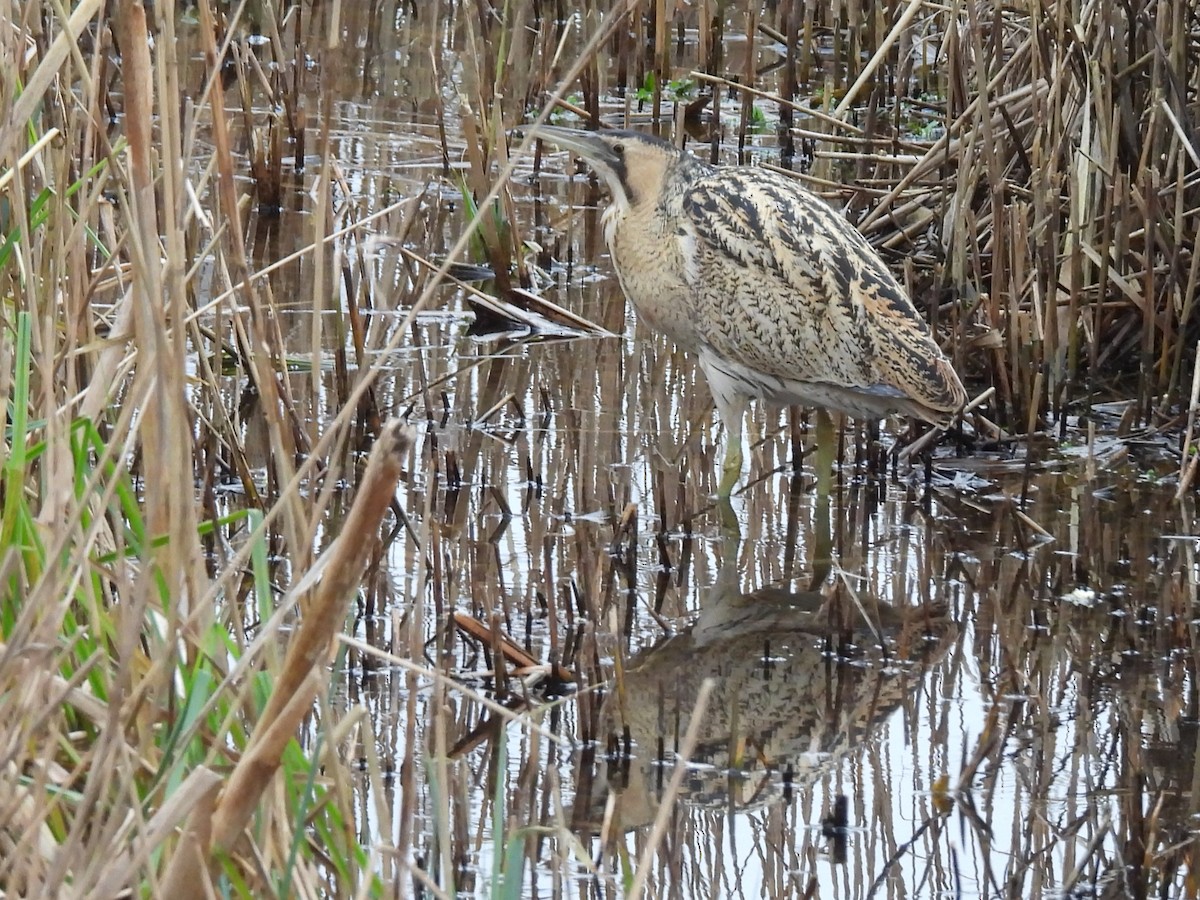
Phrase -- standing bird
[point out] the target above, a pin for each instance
(779, 297)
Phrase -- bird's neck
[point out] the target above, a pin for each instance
(658, 204)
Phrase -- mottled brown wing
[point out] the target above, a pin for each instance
(787, 287)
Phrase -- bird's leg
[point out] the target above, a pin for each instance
(826, 437)
(822, 546)
(732, 412)
(826, 453)
(731, 407)
(731, 468)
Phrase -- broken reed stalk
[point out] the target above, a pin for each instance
(303, 674)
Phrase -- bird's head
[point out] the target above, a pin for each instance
(634, 166)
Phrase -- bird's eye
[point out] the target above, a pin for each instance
(619, 149)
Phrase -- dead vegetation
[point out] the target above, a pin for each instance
(218, 283)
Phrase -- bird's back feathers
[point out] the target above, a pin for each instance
(787, 288)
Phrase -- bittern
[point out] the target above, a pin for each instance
(778, 296)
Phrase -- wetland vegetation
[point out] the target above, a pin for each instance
(358, 541)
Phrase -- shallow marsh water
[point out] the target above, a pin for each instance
(1018, 720)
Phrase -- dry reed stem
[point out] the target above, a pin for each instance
(1187, 470)
(538, 310)
(301, 679)
(291, 485)
(263, 339)
(322, 217)
(38, 84)
(1107, 267)
(190, 806)
(147, 283)
(878, 57)
(510, 651)
(169, 512)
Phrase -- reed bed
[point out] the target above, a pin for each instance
(229, 658)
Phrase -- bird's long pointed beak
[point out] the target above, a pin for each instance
(582, 143)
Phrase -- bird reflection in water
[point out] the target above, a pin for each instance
(796, 685)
